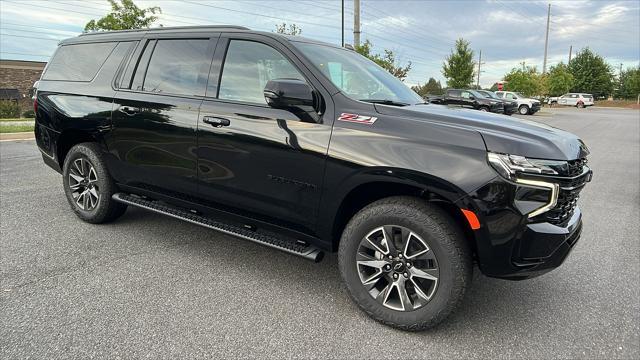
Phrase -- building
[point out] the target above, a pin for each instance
(16, 80)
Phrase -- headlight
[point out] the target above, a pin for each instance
(509, 166)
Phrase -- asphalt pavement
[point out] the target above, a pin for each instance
(148, 286)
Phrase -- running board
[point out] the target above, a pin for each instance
(292, 246)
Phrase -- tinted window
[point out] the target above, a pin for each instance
(248, 67)
(466, 94)
(510, 96)
(79, 62)
(453, 93)
(178, 67)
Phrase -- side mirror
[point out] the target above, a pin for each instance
(289, 93)
(471, 97)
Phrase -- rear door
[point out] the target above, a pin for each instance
(453, 98)
(155, 114)
(265, 163)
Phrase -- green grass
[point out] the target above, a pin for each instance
(15, 128)
(16, 119)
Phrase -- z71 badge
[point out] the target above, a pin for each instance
(360, 119)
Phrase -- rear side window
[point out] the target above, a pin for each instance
(78, 62)
(453, 93)
(178, 66)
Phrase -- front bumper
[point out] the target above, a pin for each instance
(535, 107)
(508, 244)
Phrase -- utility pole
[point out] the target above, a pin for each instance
(479, 64)
(570, 51)
(523, 67)
(546, 41)
(342, 23)
(356, 23)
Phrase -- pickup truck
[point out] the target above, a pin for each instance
(572, 99)
(470, 99)
(526, 106)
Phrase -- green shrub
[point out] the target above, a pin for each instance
(9, 109)
(29, 114)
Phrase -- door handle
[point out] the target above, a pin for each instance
(129, 110)
(216, 121)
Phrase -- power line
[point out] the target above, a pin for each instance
(30, 37)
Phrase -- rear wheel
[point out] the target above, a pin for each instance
(523, 110)
(484, 108)
(88, 185)
(580, 105)
(405, 263)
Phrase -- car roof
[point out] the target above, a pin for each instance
(136, 34)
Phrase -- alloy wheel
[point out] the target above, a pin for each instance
(83, 182)
(397, 268)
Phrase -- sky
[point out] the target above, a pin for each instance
(420, 31)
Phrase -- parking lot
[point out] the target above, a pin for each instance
(152, 286)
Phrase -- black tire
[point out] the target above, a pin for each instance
(523, 110)
(580, 105)
(443, 237)
(105, 208)
(484, 108)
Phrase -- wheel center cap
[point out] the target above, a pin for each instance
(398, 266)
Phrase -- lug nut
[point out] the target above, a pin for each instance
(400, 256)
(387, 267)
(408, 264)
(395, 276)
(405, 275)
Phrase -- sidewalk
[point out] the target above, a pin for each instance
(17, 136)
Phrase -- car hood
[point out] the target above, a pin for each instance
(503, 134)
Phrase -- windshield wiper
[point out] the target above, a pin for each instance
(385, 102)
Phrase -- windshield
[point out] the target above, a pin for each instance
(358, 77)
(477, 94)
(490, 94)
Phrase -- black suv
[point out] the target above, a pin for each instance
(469, 99)
(307, 147)
(509, 106)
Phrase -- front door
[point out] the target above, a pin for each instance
(252, 159)
(155, 116)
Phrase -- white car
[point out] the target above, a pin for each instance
(526, 106)
(572, 99)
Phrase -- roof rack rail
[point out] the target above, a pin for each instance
(212, 27)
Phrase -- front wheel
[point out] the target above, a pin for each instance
(405, 263)
(580, 105)
(88, 185)
(523, 110)
(484, 108)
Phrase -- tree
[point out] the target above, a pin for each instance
(527, 81)
(559, 80)
(432, 87)
(459, 67)
(629, 84)
(124, 15)
(292, 30)
(591, 74)
(387, 60)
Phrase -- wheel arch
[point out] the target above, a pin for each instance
(369, 189)
(67, 139)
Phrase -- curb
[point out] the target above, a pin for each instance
(17, 136)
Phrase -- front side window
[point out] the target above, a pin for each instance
(248, 66)
(356, 76)
(466, 94)
(178, 66)
(510, 96)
